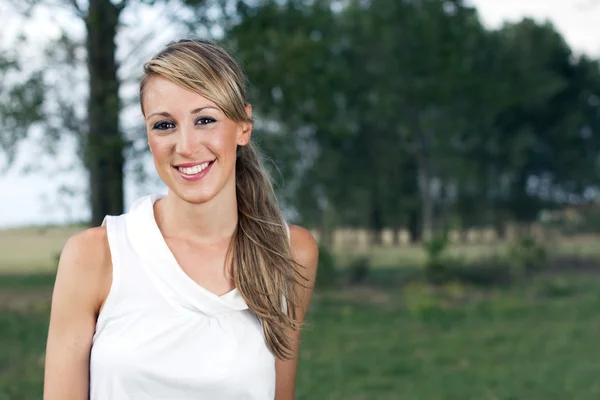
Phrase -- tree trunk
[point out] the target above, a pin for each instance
(397, 234)
(376, 217)
(326, 228)
(414, 227)
(104, 145)
(500, 226)
(424, 184)
(464, 235)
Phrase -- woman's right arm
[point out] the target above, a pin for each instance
(82, 282)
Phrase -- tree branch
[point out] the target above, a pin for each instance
(121, 5)
(78, 10)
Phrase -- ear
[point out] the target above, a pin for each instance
(245, 131)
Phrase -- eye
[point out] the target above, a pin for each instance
(205, 120)
(163, 125)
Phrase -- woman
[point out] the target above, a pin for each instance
(199, 294)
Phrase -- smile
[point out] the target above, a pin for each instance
(194, 172)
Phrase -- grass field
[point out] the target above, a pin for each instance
(32, 249)
(537, 340)
(37, 250)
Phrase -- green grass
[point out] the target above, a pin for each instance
(536, 341)
(519, 344)
(24, 309)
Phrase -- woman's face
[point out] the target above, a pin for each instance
(192, 141)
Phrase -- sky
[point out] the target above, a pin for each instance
(34, 198)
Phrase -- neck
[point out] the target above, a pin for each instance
(209, 222)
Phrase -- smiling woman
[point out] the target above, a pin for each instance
(191, 138)
(198, 294)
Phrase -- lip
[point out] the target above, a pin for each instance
(198, 176)
(192, 164)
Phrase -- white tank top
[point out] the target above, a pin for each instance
(162, 336)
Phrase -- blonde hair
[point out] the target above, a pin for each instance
(264, 272)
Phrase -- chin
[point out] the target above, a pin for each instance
(195, 198)
(193, 195)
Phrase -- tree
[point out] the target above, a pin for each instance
(370, 103)
(401, 112)
(103, 142)
(550, 131)
(21, 101)
(288, 50)
(104, 145)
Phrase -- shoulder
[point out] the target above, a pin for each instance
(90, 246)
(85, 265)
(305, 249)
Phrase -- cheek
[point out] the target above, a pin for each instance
(159, 147)
(225, 142)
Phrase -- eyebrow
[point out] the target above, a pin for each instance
(167, 115)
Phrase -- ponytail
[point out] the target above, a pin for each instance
(263, 269)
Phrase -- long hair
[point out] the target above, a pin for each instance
(263, 269)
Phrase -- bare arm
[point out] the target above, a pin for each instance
(82, 282)
(305, 252)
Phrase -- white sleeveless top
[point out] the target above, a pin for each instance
(162, 336)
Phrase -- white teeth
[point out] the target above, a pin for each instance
(194, 170)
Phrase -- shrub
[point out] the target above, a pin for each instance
(493, 271)
(358, 270)
(436, 266)
(527, 255)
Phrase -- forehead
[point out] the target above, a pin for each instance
(160, 94)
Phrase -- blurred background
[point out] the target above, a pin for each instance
(445, 154)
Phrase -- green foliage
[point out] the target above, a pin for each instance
(364, 105)
(573, 221)
(480, 111)
(359, 270)
(327, 275)
(524, 257)
(21, 103)
(527, 255)
(491, 271)
(555, 287)
(437, 268)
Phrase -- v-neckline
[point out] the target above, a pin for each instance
(150, 244)
(162, 242)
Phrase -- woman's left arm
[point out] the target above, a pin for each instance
(306, 254)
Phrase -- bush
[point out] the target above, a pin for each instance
(524, 257)
(436, 266)
(326, 272)
(527, 255)
(494, 271)
(358, 270)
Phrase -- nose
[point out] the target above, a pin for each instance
(189, 142)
